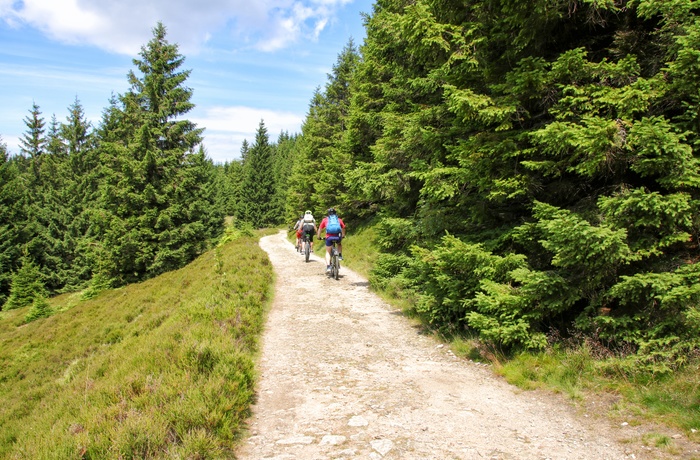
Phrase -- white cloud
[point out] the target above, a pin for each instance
(227, 127)
(124, 26)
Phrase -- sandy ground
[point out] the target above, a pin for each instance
(343, 375)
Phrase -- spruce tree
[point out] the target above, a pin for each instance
(12, 219)
(54, 140)
(27, 286)
(257, 205)
(155, 181)
(76, 131)
(320, 162)
(32, 143)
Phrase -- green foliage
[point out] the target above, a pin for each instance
(666, 304)
(121, 203)
(453, 272)
(40, 309)
(551, 142)
(258, 206)
(12, 216)
(33, 141)
(99, 283)
(653, 221)
(27, 286)
(157, 205)
(395, 234)
(233, 233)
(319, 164)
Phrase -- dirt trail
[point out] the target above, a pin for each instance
(345, 376)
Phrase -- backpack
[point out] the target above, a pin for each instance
(333, 225)
(308, 218)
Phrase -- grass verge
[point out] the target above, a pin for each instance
(671, 400)
(160, 369)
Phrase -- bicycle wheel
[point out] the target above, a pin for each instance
(336, 264)
(307, 249)
(331, 273)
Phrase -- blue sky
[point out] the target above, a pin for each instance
(250, 59)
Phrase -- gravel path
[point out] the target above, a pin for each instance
(346, 376)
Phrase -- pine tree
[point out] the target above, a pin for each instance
(76, 130)
(157, 216)
(283, 162)
(245, 148)
(257, 205)
(12, 219)
(26, 286)
(40, 309)
(321, 161)
(32, 143)
(556, 147)
(54, 141)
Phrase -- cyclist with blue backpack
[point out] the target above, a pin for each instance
(335, 232)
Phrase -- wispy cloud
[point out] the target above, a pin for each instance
(227, 127)
(124, 26)
(101, 78)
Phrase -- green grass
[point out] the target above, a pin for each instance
(360, 249)
(161, 369)
(671, 400)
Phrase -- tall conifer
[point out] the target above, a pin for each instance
(155, 183)
(32, 143)
(12, 219)
(258, 191)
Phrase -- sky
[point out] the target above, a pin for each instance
(250, 60)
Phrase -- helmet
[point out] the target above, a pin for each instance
(307, 212)
(331, 210)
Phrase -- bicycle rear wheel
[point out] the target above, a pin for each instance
(335, 265)
(307, 249)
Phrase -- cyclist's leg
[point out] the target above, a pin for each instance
(329, 246)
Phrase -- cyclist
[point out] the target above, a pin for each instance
(297, 230)
(308, 228)
(332, 234)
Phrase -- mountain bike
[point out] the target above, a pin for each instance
(307, 246)
(335, 261)
(300, 247)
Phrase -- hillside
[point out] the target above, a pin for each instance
(160, 369)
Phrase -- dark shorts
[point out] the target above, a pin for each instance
(331, 239)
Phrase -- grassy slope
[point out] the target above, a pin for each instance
(161, 369)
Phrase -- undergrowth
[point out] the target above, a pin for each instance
(160, 369)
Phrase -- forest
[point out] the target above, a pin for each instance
(531, 169)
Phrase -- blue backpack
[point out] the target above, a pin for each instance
(333, 225)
